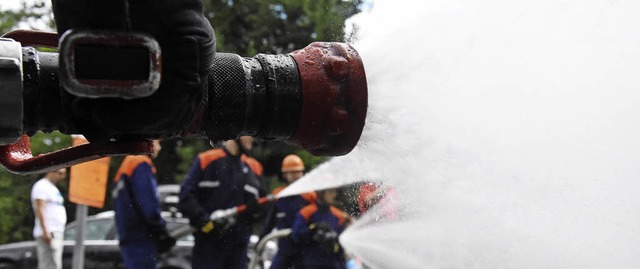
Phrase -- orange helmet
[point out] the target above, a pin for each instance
(292, 163)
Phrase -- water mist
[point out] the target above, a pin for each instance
(508, 131)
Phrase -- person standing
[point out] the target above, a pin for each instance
(283, 213)
(316, 230)
(141, 229)
(50, 219)
(218, 180)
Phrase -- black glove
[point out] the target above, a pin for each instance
(164, 242)
(187, 42)
(254, 212)
(322, 232)
(326, 237)
(252, 204)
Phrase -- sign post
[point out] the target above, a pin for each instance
(87, 187)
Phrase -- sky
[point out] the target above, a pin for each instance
(10, 4)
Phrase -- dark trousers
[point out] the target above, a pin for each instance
(139, 254)
(216, 255)
(288, 256)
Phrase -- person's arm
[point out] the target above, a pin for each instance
(253, 191)
(144, 196)
(46, 236)
(300, 231)
(270, 220)
(188, 203)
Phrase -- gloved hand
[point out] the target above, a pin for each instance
(164, 242)
(252, 204)
(322, 232)
(219, 221)
(188, 44)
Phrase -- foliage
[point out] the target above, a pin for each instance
(16, 213)
(32, 14)
(247, 27)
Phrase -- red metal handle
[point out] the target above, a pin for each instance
(17, 157)
(34, 38)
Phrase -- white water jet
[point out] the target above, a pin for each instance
(508, 129)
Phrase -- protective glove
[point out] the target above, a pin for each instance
(164, 242)
(252, 205)
(322, 232)
(324, 235)
(188, 44)
(219, 221)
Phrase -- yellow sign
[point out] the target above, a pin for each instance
(88, 181)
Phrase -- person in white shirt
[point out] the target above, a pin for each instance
(51, 217)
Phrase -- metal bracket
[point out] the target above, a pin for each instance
(120, 43)
(11, 113)
(18, 158)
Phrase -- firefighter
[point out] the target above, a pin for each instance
(316, 229)
(141, 230)
(369, 194)
(221, 179)
(282, 215)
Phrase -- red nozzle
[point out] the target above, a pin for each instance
(334, 98)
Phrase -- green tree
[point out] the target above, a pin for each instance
(16, 214)
(246, 27)
(33, 15)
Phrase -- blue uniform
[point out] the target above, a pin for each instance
(137, 209)
(218, 180)
(317, 255)
(282, 217)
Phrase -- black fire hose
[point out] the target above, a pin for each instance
(315, 98)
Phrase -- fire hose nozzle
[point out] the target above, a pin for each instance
(334, 98)
(315, 98)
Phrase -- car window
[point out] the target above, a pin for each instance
(96, 229)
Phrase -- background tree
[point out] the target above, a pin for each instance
(246, 27)
(32, 14)
(16, 213)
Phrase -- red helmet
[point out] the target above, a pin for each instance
(292, 163)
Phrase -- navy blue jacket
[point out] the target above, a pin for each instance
(137, 210)
(285, 209)
(314, 254)
(218, 180)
